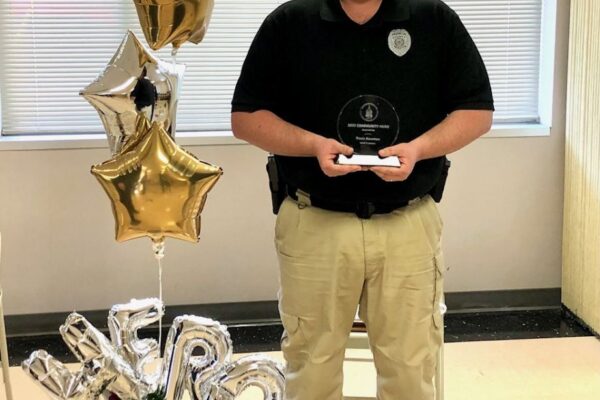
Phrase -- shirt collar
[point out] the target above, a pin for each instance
(391, 10)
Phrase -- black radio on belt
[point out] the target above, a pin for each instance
(276, 184)
(438, 190)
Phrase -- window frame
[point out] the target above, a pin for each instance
(212, 138)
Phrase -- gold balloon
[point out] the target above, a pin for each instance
(134, 82)
(157, 189)
(174, 21)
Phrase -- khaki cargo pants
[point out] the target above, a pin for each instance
(391, 265)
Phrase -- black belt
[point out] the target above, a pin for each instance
(362, 209)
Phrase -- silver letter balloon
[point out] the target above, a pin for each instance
(125, 367)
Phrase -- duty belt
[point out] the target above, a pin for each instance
(362, 209)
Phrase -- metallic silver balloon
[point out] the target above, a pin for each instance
(108, 371)
(124, 321)
(256, 370)
(102, 374)
(116, 369)
(85, 341)
(187, 334)
(135, 82)
(53, 376)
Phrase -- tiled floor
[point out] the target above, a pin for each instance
(533, 369)
(539, 369)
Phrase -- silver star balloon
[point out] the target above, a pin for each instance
(135, 83)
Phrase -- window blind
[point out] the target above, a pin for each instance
(508, 35)
(51, 49)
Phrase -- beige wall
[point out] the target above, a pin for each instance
(503, 213)
(504, 204)
(581, 254)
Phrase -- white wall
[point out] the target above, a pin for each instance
(503, 213)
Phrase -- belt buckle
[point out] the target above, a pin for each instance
(365, 210)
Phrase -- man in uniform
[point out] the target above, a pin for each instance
(351, 235)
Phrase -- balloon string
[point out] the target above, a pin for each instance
(160, 296)
(159, 254)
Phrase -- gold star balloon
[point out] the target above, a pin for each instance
(157, 189)
(174, 21)
(134, 82)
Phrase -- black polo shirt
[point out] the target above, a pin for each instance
(309, 59)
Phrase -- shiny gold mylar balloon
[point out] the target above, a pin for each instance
(134, 82)
(157, 189)
(174, 21)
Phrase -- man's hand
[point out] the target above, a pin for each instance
(408, 155)
(460, 128)
(326, 150)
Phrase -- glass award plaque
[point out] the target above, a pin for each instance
(368, 123)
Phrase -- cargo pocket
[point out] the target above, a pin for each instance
(438, 319)
(292, 339)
